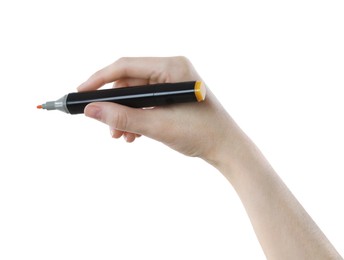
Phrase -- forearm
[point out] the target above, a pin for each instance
(283, 227)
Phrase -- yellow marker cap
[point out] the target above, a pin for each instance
(200, 91)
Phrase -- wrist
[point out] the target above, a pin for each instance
(227, 145)
(234, 153)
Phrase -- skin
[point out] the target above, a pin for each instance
(206, 130)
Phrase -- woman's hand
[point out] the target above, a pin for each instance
(283, 227)
(195, 129)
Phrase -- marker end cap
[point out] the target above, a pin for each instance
(200, 91)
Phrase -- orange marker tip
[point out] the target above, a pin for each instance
(39, 106)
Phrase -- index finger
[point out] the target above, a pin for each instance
(140, 68)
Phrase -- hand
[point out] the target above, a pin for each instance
(193, 129)
(205, 130)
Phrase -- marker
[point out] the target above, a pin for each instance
(137, 96)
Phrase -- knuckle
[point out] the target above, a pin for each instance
(121, 60)
(183, 67)
(183, 60)
(99, 76)
(159, 76)
(122, 65)
(119, 120)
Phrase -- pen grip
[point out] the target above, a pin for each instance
(139, 96)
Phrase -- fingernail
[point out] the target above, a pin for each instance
(93, 111)
(112, 133)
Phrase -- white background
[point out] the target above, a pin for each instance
(69, 191)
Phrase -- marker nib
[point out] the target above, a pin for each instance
(39, 106)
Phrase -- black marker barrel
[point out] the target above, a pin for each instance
(138, 96)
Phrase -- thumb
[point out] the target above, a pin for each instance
(134, 120)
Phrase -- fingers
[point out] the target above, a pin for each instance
(126, 121)
(129, 137)
(125, 72)
(150, 69)
(122, 83)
